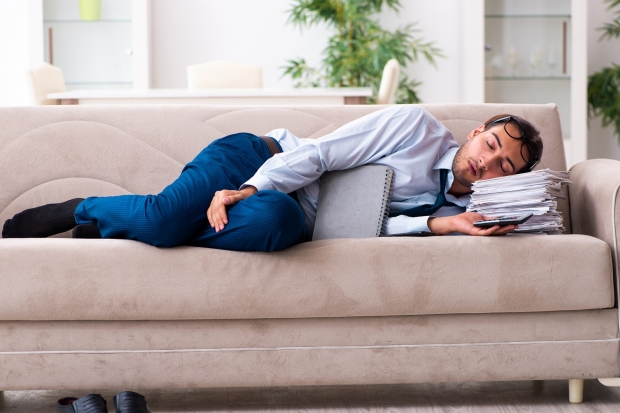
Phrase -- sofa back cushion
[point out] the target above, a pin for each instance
(50, 154)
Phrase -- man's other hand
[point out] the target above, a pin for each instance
(464, 223)
(216, 214)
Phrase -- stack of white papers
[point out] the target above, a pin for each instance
(527, 193)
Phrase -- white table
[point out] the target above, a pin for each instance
(309, 96)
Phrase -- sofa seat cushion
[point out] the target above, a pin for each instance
(72, 279)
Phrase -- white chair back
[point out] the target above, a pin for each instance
(389, 82)
(45, 79)
(224, 74)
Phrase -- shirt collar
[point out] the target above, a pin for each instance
(445, 162)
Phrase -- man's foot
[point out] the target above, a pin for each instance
(86, 231)
(43, 221)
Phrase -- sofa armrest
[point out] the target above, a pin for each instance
(595, 203)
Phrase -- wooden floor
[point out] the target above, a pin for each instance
(526, 396)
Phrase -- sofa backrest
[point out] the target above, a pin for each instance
(51, 154)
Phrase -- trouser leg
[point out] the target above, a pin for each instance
(266, 221)
(173, 216)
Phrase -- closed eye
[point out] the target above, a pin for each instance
(500, 162)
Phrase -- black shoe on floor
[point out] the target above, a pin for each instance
(130, 402)
(91, 403)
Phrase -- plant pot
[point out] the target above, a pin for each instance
(90, 9)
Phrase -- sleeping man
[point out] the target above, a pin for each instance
(249, 193)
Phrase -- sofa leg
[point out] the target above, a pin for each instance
(614, 382)
(575, 390)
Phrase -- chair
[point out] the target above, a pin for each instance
(389, 82)
(224, 74)
(45, 79)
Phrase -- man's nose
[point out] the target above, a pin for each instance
(486, 160)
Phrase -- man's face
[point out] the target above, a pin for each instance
(488, 154)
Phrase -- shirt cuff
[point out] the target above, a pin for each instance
(403, 224)
(259, 182)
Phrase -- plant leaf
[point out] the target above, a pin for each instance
(604, 96)
(357, 52)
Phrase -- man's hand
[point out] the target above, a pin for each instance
(464, 223)
(216, 214)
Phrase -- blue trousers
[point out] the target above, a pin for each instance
(266, 221)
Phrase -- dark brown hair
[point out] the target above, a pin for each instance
(530, 139)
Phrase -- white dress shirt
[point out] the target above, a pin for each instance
(406, 138)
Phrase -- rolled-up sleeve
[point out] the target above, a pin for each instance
(404, 224)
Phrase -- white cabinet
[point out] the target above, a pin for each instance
(533, 51)
(112, 52)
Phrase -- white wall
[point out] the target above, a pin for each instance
(194, 31)
(249, 31)
(21, 47)
(439, 22)
(602, 142)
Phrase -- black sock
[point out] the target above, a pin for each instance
(86, 231)
(43, 221)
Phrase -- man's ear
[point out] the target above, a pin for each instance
(476, 131)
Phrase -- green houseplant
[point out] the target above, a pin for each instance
(604, 85)
(356, 54)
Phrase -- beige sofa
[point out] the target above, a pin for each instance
(117, 314)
